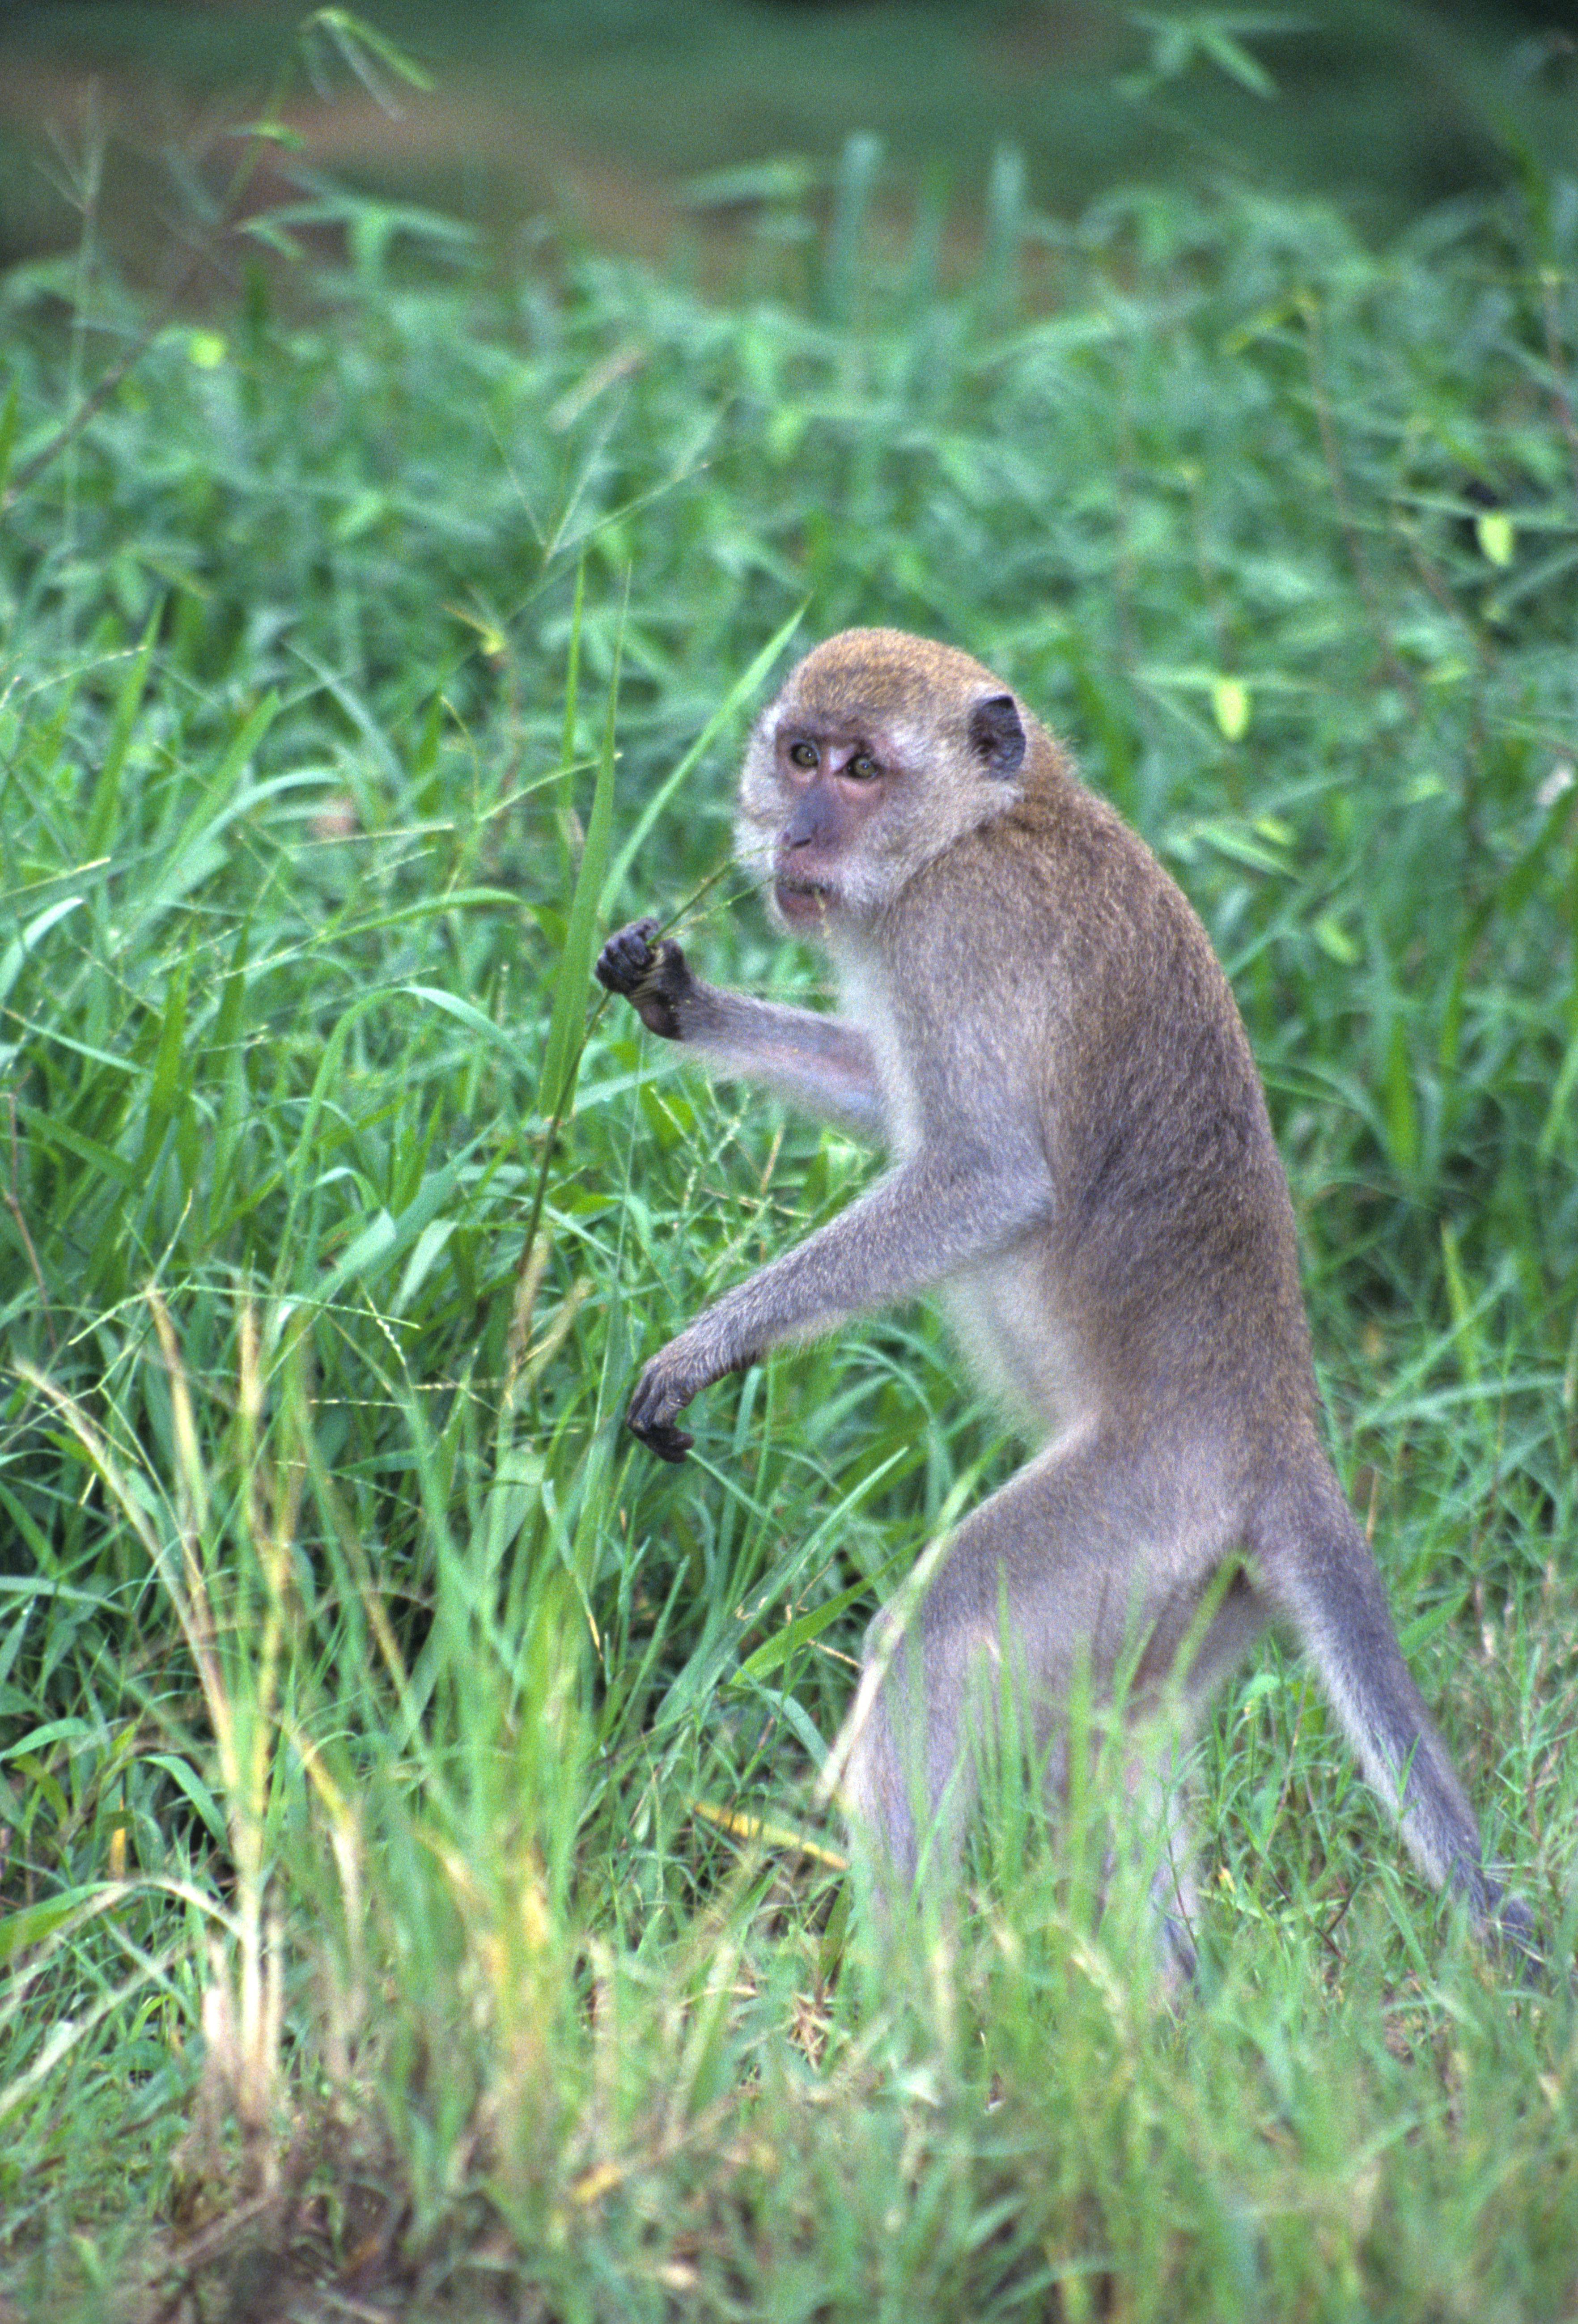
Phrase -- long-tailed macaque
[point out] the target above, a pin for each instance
(1035, 1026)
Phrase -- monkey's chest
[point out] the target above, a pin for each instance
(1005, 1317)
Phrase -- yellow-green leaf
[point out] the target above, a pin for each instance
(1497, 535)
(1229, 699)
(1334, 940)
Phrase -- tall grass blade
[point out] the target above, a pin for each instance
(562, 1057)
(741, 689)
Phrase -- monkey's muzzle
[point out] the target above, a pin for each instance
(802, 903)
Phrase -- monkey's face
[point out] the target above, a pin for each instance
(833, 794)
(880, 751)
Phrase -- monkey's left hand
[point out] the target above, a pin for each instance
(654, 978)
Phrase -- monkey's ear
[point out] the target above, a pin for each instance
(997, 734)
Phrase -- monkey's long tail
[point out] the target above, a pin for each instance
(1321, 1575)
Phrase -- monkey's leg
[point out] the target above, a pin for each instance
(1189, 1669)
(1196, 1639)
(1061, 1569)
(1161, 1848)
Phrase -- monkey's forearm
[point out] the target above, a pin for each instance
(922, 1222)
(815, 1062)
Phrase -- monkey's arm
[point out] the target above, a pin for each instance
(927, 1220)
(817, 1062)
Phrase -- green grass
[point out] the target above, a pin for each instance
(413, 1883)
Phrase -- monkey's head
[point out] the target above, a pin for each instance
(881, 752)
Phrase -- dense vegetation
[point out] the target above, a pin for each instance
(412, 1884)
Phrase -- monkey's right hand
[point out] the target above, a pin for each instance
(648, 1417)
(671, 1377)
(656, 980)
(661, 1437)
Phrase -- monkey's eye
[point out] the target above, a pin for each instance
(862, 766)
(802, 755)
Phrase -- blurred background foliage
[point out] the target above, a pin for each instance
(708, 124)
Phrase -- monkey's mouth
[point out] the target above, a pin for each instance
(803, 903)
